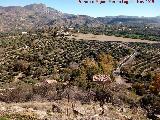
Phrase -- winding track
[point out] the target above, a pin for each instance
(127, 59)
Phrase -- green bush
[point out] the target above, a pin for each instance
(3, 118)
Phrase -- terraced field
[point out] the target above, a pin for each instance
(43, 54)
(147, 60)
(49, 53)
(27, 61)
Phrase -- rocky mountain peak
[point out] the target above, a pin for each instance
(35, 6)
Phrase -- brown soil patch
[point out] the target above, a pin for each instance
(108, 38)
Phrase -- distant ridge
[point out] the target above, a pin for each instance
(39, 15)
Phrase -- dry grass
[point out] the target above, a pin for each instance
(107, 38)
(42, 110)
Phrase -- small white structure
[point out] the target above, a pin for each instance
(48, 81)
(34, 34)
(71, 28)
(24, 33)
(66, 33)
(101, 79)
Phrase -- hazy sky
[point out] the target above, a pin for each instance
(95, 10)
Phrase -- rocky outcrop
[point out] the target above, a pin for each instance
(62, 110)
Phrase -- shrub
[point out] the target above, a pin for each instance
(151, 103)
(156, 82)
(21, 65)
(3, 118)
(19, 94)
(139, 88)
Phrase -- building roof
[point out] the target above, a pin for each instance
(101, 78)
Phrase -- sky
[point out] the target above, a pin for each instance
(94, 10)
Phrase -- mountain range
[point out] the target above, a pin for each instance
(39, 15)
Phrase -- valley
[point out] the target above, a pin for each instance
(59, 66)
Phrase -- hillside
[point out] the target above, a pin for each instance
(105, 68)
(38, 15)
(16, 18)
(45, 68)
